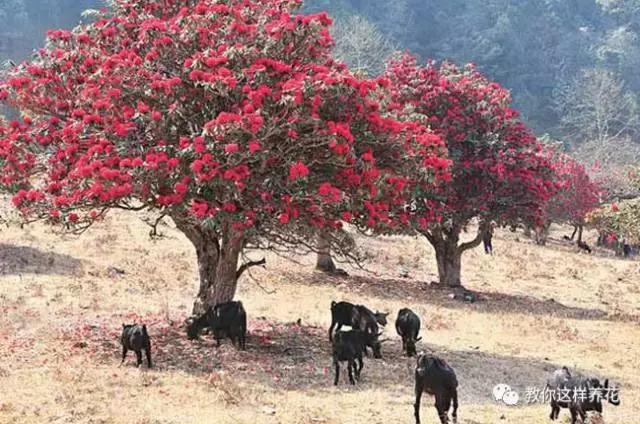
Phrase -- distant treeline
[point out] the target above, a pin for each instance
(533, 47)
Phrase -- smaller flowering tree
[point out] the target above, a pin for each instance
(577, 194)
(619, 219)
(498, 172)
(622, 220)
(231, 118)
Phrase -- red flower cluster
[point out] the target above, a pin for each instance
(498, 171)
(230, 112)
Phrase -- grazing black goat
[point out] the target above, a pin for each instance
(349, 346)
(135, 337)
(408, 327)
(355, 316)
(436, 377)
(578, 393)
(584, 246)
(225, 319)
(359, 317)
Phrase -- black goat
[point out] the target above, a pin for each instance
(584, 246)
(349, 346)
(408, 327)
(436, 377)
(355, 316)
(578, 393)
(135, 337)
(225, 319)
(359, 317)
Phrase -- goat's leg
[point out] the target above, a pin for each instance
(124, 354)
(555, 410)
(574, 415)
(138, 358)
(416, 405)
(365, 351)
(361, 364)
(336, 364)
(147, 351)
(350, 367)
(441, 406)
(583, 415)
(454, 414)
(243, 339)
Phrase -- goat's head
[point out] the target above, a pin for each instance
(376, 344)
(381, 317)
(595, 393)
(192, 327)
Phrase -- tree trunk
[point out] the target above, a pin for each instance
(449, 253)
(541, 233)
(449, 260)
(325, 261)
(217, 263)
(580, 229)
(223, 287)
(575, 230)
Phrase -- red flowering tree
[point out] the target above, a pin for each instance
(577, 194)
(229, 117)
(498, 172)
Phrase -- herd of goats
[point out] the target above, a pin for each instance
(433, 375)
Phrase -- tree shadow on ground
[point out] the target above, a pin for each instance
(435, 294)
(290, 356)
(28, 260)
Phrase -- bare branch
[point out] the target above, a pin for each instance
(245, 266)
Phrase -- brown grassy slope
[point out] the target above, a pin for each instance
(61, 309)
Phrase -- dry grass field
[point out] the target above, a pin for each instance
(62, 304)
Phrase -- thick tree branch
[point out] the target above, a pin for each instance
(482, 229)
(432, 239)
(245, 266)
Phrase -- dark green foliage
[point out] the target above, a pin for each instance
(531, 47)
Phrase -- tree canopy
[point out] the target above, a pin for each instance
(231, 118)
(499, 171)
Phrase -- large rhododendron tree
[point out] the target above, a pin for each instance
(577, 194)
(228, 116)
(499, 171)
